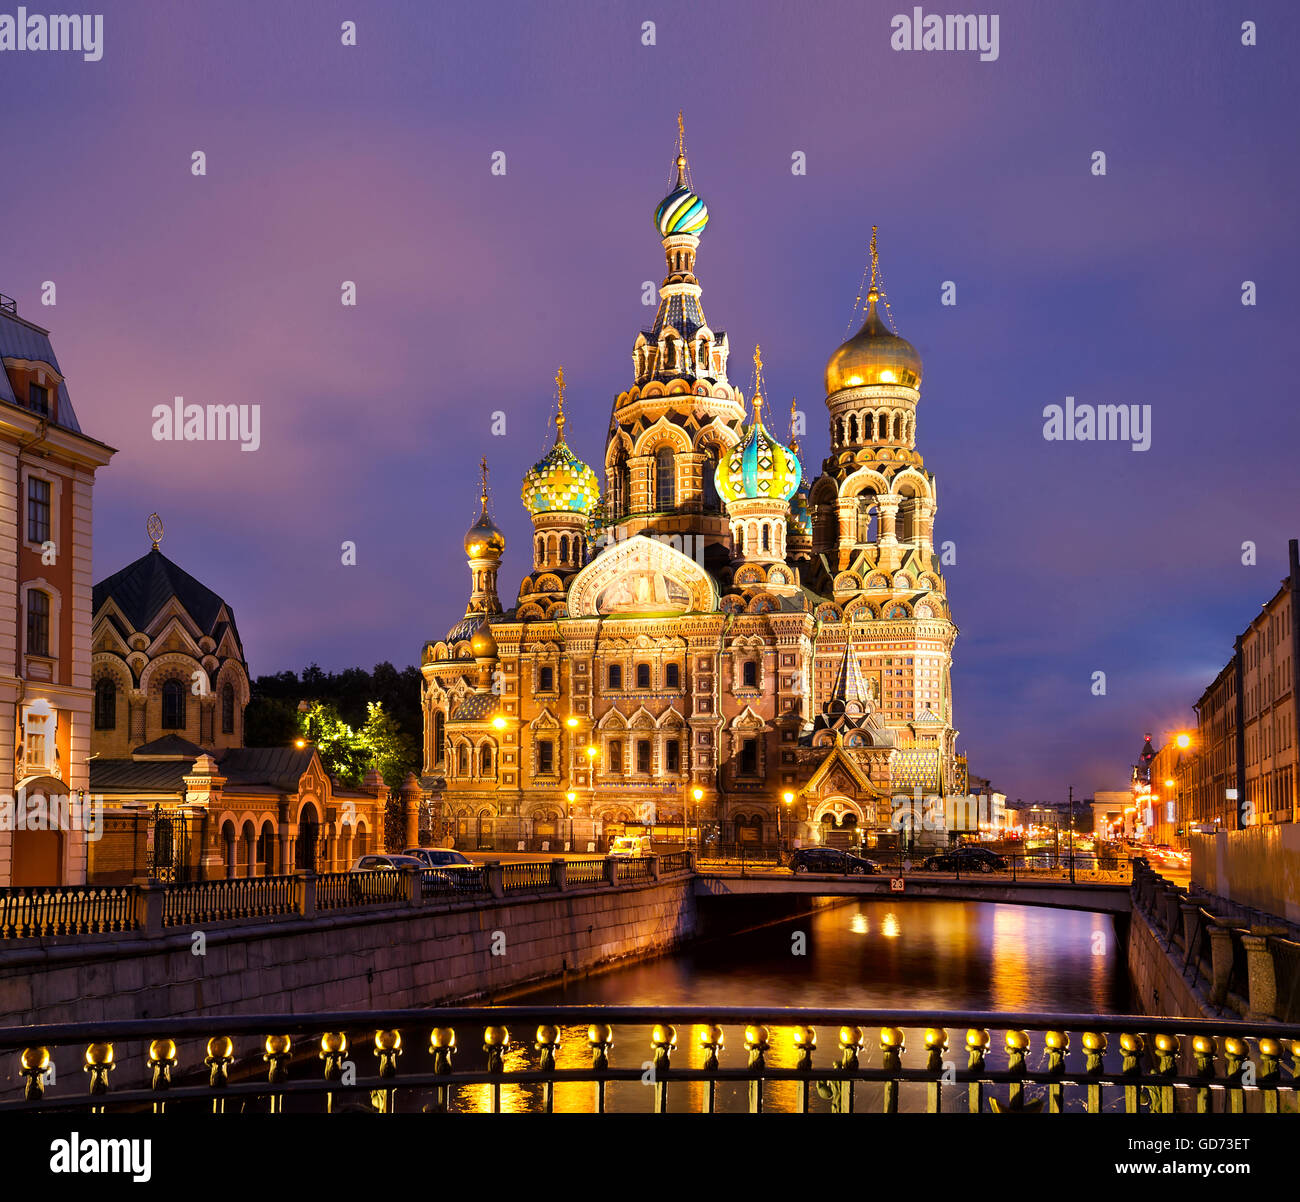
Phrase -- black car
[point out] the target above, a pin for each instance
(965, 859)
(830, 859)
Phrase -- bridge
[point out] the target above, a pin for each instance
(1105, 897)
(683, 1058)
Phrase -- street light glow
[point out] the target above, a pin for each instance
(499, 722)
(1183, 741)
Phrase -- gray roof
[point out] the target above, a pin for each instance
(246, 769)
(20, 339)
(171, 745)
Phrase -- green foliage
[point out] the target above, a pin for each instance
(357, 720)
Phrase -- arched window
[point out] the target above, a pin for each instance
(38, 622)
(898, 427)
(673, 676)
(173, 705)
(462, 760)
(868, 428)
(643, 676)
(564, 548)
(228, 709)
(616, 755)
(767, 537)
(105, 705)
(615, 676)
(665, 492)
(546, 680)
(712, 502)
(853, 427)
(439, 736)
(485, 760)
(749, 674)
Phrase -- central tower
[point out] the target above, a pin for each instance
(668, 432)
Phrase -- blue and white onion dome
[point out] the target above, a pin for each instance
(759, 467)
(681, 211)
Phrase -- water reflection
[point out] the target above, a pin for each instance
(869, 954)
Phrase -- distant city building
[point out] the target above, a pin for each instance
(1241, 769)
(47, 476)
(715, 623)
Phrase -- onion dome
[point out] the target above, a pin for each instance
(465, 628)
(800, 511)
(484, 537)
(759, 467)
(681, 211)
(875, 354)
(560, 482)
(482, 645)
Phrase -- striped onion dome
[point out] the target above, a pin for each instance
(681, 211)
(759, 467)
(800, 513)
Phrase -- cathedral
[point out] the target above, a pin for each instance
(709, 645)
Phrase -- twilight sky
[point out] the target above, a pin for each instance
(372, 164)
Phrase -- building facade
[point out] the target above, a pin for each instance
(182, 797)
(47, 477)
(706, 640)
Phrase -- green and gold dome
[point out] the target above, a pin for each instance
(758, 467)
(559, 482)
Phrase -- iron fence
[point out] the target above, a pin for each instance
(35, 911)
(511, 1058)
(526, 877)
(377, 887)
(202, 902)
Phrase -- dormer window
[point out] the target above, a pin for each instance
(38, 399)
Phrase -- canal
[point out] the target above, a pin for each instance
(872, 954)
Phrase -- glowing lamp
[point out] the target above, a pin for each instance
(1183, 741)
(499, 722)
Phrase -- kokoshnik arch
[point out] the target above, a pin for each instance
(715, 639)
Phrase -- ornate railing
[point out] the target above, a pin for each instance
(343, 890)
(591, 872)
(29, 912)
(526, 877)
(1247, 961)
(202, 902)
(687, 1058)
(34, 911)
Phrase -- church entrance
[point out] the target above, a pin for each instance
(843, 834)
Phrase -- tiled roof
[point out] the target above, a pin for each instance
(21, 339)
(172, 745)
(141, 589)
(476, 705)
(143, 776)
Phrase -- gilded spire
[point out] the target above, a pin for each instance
(758, 383)
(794, 438)
(874, 290)
(681, 149)
(559, 412)
(483, 478)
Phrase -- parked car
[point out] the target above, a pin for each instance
(439, 857)
(830, 859)
(630, 846)
(388, 882)
(371, 863)
(965, 859)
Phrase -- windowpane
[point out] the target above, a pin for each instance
(38, 510)
(643, 676)
(665, 491)
(105, 705)
(643, 756)
(38, 622)
(173, 705)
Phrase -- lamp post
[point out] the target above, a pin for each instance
(698, 794)
(788, 798)
(571, 797)
(591, 778)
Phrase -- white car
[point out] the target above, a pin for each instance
(370, 863)
(631, 846)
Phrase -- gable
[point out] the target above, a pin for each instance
(641, 577)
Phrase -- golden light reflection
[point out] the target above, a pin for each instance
(1009, 967)
(889, 927)
(859, 925)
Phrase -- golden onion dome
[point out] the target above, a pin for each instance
(874, 355)
(482, 645)
(484, 537)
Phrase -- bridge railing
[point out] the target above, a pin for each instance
(1250, 967)
(35, 911)
(701, 1058)
(32, 912)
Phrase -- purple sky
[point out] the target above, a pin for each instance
(372, 164)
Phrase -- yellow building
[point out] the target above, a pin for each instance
(715, 634)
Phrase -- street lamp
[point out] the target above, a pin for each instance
(698, 794)
(571, 797)
(788, 798)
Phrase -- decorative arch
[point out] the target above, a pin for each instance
(865, 479)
